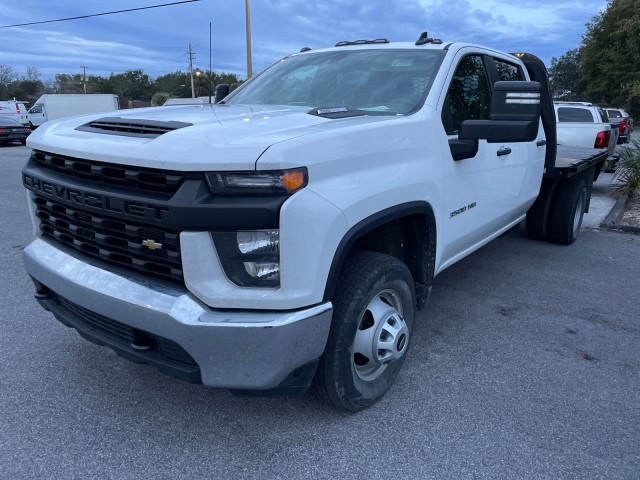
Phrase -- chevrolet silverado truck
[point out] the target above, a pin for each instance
(284, 237)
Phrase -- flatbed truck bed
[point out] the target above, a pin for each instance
(573, 160)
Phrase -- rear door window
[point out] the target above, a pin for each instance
(507, 71)
(574, 114)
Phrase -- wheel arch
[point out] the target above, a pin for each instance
(406, 232)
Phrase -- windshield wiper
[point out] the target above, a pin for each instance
(334, 112)
(344, 112)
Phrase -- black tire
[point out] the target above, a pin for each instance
(374, 308)
(23, 142)
(568, 210)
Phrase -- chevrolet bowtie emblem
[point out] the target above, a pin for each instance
(151, 244)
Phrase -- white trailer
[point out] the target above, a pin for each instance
(51, 107)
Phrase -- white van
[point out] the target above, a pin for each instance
(50, 107)
(14, 109)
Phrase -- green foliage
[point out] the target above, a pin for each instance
(610, 56)
(65, 83)
(131, 85)
(176, 84)
(628, 172)
(565, 79)
(159, 98)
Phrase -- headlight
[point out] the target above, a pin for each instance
(283, 182)
(250, 258)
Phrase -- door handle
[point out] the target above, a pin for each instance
(541, 143)
(504, 151)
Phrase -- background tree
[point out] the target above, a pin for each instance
(7, 76)
(131, 85)
(566, 78)
(67, 83)
(176, 84)
(159, 98)
(610, 56)
(32, 74)
(98, 84)
(26, 88)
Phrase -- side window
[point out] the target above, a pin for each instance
(507, 71)
(574, 114)
(469, 95)
(603, 115)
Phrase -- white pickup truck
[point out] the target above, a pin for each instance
(285, 236)
(583, 124)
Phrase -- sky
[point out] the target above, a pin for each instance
(156, 40)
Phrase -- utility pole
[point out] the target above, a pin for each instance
(247, 8)
(84, 77)
(191, 54)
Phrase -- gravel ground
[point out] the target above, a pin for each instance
(631, 215)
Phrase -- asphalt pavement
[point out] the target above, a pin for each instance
(524, 365)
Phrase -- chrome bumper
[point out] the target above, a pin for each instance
(244, 350)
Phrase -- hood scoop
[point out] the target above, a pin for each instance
(131, 127)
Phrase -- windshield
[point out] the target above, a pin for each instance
(383, 81)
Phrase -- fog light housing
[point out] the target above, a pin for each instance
(250, 258)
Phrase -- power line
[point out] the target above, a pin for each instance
(99, 14)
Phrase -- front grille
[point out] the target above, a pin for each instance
(123, 334)
(138, 178)
(112, 240)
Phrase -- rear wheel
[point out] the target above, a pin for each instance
(374, 309)
(568, 211)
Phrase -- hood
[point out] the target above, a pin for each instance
(221, 137)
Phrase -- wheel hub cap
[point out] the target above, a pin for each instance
(382, 336)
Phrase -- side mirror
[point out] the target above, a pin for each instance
(514, 115)
(222, 91)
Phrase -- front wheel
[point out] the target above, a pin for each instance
(374, 309)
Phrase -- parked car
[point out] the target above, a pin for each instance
(11, 130)
(14, 109)
(623, 121)
(583, 124)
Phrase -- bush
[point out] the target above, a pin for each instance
(628, 172)
(159, 98)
